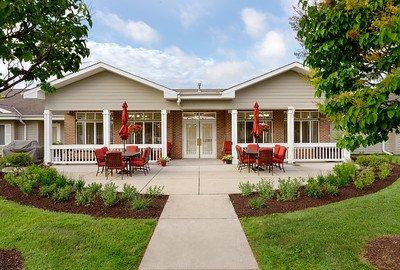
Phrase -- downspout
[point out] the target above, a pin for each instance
(22, 122)
(384, 149)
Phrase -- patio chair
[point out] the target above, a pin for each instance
(105, 150)
(276, 149)
(115, 162)
(244, 160)
(100, 159)
(132, 148)
(142, 164)
(265, 158)
(280, 158)
(252, 146)
(227, 150)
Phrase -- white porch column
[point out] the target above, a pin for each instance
(290, 134)
(106, 128)
(164, 134)
(234, 135)
(48, 136)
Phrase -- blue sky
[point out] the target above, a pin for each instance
(179, 43)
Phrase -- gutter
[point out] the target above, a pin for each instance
(384, 149)
(22, 122)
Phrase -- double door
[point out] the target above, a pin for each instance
(199, 139)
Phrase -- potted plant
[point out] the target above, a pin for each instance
(264, 127)
(135, 128)
(163, 161)
(227, 159)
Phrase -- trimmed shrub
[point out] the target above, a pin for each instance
(109, 194)
(79, 184)
(365, 178)
(16, 160)
(247, 188)
(47, 191)
(61, 181)
(345, 172)
(383, 171)
(155, 191)
(129, 192)
(140, 202)
(47, 176)
(288, 189)
(314, 189)
(372, 160)
(331, 189)
(265, 189)
(84, 197)
(62, 194)
(94, 188)
(11, 179)
(256, 203)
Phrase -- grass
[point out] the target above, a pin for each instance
(327, 237)
(49, 240)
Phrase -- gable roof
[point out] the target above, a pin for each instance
(99, 67)
(295, 66)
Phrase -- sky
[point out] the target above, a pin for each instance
(179, 43)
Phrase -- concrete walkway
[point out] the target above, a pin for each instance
(198, 232)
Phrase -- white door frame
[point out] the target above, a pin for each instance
(199, 123)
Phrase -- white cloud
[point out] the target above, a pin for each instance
(136, 30)
(191, 12)
(254, 21)
(171, 67)
(287, 6)
(271, 48)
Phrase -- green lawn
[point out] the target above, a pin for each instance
(327, 237)
(50, 240)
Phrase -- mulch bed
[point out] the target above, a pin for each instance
(383, 252)
(11, 260)
(95, 209)
(240, 203)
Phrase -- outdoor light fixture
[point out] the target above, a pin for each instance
(199, 89)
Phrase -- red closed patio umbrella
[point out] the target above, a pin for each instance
(124, 132)
(256, 122)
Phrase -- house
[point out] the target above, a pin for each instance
(85, 113)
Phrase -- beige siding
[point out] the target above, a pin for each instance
(282, 91)
(107, 90)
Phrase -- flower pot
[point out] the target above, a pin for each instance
(163, 163)
(228, 161)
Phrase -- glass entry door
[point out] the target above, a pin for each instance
(199, 138)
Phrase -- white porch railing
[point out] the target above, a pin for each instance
(313, 152)
(84, 154)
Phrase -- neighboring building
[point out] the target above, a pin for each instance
(85, 113)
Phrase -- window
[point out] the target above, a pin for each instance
(306, 127)
(56, 133)
(245, 126)
(89, 128)
(2, 135)
(151, 131)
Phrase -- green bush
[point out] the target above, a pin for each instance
(331, 189)
(47, 191)
(247, 188)
(62, 194)
(79, 184)
(11, 179)
(365, 178)
(129, 192)
(345, 172)
(314, 188)
(265, 189)
(140, 202)
(155, 191)
(26, 183)
(61, 181)
(94, 188)
(47, 176)
(84, 197)
(372, 160)
(256, 203)
(109, 194)
(288, 189)
(16, 160)
(383, 171)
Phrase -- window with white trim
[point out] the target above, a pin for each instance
(306, 127)
(151, 127)
(2, 134)
(245, 126)
(89, 128)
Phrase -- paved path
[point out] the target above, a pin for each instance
(198, 232)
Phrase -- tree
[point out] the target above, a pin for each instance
(40, 39)
(353, 50)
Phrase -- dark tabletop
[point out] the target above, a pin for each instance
(131, 154)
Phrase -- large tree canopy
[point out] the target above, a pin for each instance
(40, 39)
(353, 50)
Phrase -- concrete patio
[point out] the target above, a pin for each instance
(194, 176)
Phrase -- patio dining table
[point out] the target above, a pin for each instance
(254, 153)
(128, 156)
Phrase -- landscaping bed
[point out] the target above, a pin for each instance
(11, 260)
(383, 252)
(250, 203)
(97, 208)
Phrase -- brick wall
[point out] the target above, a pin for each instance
(324, 130)
(278, 126)
(117, 123)
(174, 124)
(69, 128)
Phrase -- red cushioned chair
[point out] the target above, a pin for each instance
(132, 148)
(227, 150)
(252, 147)
(115, 162)
(100, 159)
(280, 158)
(244, 160)
(142, 164)
(265, 156)
(276, 149)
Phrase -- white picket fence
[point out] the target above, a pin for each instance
(84, 154)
